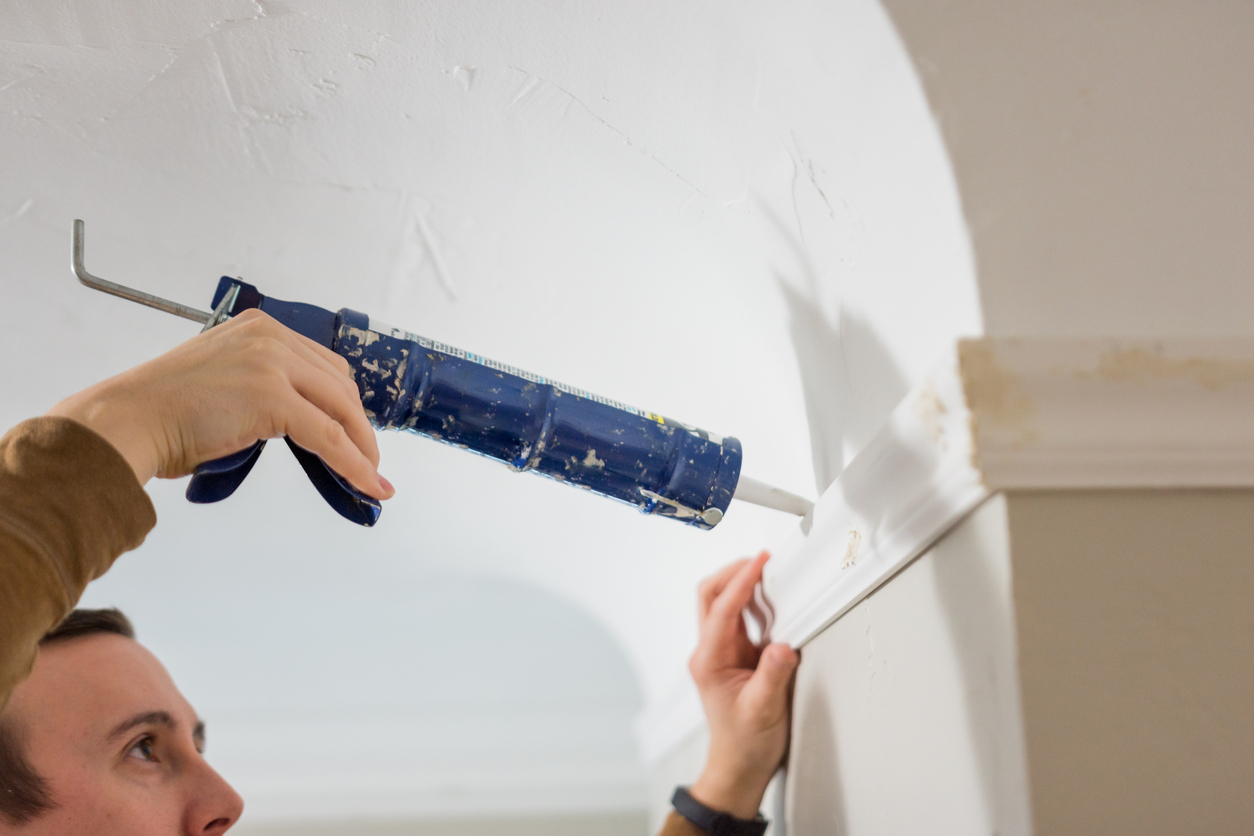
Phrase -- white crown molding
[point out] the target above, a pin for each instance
(999, 414)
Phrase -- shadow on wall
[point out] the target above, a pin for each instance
(976, 607)
(814, 770)
(849, 379)
(972, 608)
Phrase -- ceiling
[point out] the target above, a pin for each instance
(739, 216)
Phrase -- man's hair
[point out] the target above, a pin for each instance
(24, 794)
(88, 622)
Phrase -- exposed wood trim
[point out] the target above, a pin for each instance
(1001, 414)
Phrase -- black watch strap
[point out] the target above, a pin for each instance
(712, 821)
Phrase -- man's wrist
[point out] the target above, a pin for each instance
(739, 795)
(104, 415)
(715, 822)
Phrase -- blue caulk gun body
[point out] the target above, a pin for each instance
(528, 422)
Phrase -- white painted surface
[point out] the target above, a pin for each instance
(1001, 414)
(907, 709)
(667, 203)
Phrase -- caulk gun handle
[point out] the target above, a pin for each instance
(348, 502)
(215, 480)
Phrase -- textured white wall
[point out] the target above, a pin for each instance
(738, 215)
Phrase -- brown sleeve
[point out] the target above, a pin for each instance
(69, 505)
(677, 825)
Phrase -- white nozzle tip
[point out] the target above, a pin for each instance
(760, 493)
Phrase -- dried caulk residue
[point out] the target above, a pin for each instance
(466, 75)
(994, 395)
(851, 549)
(437, 257)
(931, 410)
(1136, 365)
(364, 338)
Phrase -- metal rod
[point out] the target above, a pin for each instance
(221, 312)
(760, 493)
(97, 283)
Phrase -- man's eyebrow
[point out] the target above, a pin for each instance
(163, 718)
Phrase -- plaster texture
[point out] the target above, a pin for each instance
(738, 215)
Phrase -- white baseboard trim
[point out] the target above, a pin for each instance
(1002, 414)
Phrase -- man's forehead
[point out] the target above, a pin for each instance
(92, 683)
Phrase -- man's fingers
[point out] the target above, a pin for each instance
(724, 640)
(327, 392)
(737, 593)
(349, 412)
(262, 322)
(765, 695)
(318, 432)
(324, 414)
(713, 585)
(267, 325)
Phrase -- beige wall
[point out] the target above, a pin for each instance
(1102, 151)
(1122, 621)
(1136, 646)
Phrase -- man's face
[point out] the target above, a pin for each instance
(117, 744)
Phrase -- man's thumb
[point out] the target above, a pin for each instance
(767, 689)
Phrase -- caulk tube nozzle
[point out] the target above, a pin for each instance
(759, 493)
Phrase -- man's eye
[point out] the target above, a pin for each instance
(142, 750)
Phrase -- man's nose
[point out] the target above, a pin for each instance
(214, 805)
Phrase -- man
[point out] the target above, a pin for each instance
(71, 501)
(98, 740)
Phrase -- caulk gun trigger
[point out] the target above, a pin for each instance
(215, 480)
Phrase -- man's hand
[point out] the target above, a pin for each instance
(247, 379)
(745, 691)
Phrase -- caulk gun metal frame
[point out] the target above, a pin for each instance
(104, 285)
(218, 479)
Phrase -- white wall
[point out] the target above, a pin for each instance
(1102, 155)
(738, 215)
(907, 709)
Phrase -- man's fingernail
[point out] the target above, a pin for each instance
(783, 656)
(386, 485)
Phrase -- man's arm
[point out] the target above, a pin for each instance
(71, 483)
(69, 505)
(747, 696)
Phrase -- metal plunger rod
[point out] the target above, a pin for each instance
(97, 283)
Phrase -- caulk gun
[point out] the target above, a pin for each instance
(529, 422)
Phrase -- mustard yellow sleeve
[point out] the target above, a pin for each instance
(69, 505)
(677, 825)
